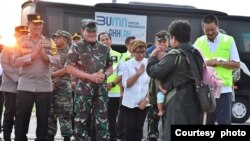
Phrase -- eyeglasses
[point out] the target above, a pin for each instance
(139, 52)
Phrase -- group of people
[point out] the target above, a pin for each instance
(109, 93)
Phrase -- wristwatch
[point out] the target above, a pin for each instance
(113, 84)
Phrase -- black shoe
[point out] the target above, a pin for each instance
(152, 139)
(65, 138)
(6, 137)
(51, 138)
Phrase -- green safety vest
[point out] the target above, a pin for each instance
(126, 56)
(222, 51)
(115, 57)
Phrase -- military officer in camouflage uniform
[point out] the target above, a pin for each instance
(90, 62)
(34, 55)
(161, 39)
(62, 104)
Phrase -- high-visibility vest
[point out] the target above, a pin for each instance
(126, 56)
(222, 52)
(115, 57)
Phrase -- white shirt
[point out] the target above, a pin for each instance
(139, 90)
(122, 62)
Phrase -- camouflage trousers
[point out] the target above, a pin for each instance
(153, 122)
(85, 106)
(61, 109)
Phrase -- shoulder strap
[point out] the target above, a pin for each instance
(191, 67)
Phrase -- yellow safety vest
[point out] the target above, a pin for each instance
(115, 57)
(222, 51)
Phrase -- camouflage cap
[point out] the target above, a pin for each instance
(35, 18)
(136, 44)
(162, 35)
(62, 33)
(21, 28)
(76, 35)
(89, 24)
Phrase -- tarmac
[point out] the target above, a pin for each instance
(32, 130)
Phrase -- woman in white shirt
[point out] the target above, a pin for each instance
(135, 82)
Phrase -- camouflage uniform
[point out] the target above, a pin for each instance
(153, 118)
(90, 58)
(62, 104)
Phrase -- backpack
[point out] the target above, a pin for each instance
(208, 88)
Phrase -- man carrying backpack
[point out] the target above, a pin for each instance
(220, 52)
(181, 103)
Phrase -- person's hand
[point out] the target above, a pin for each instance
(212, 63)
(73, 84)
(140, 70)
(157, 50)
(39, 44)
(142, 104)
(97, 77)
(37, 49)
(164, 91)
(109, 86)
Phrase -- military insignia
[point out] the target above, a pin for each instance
(114, 59)
(53, 49)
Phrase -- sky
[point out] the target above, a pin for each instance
(10, 10)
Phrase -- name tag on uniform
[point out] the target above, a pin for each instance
(114, 59)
